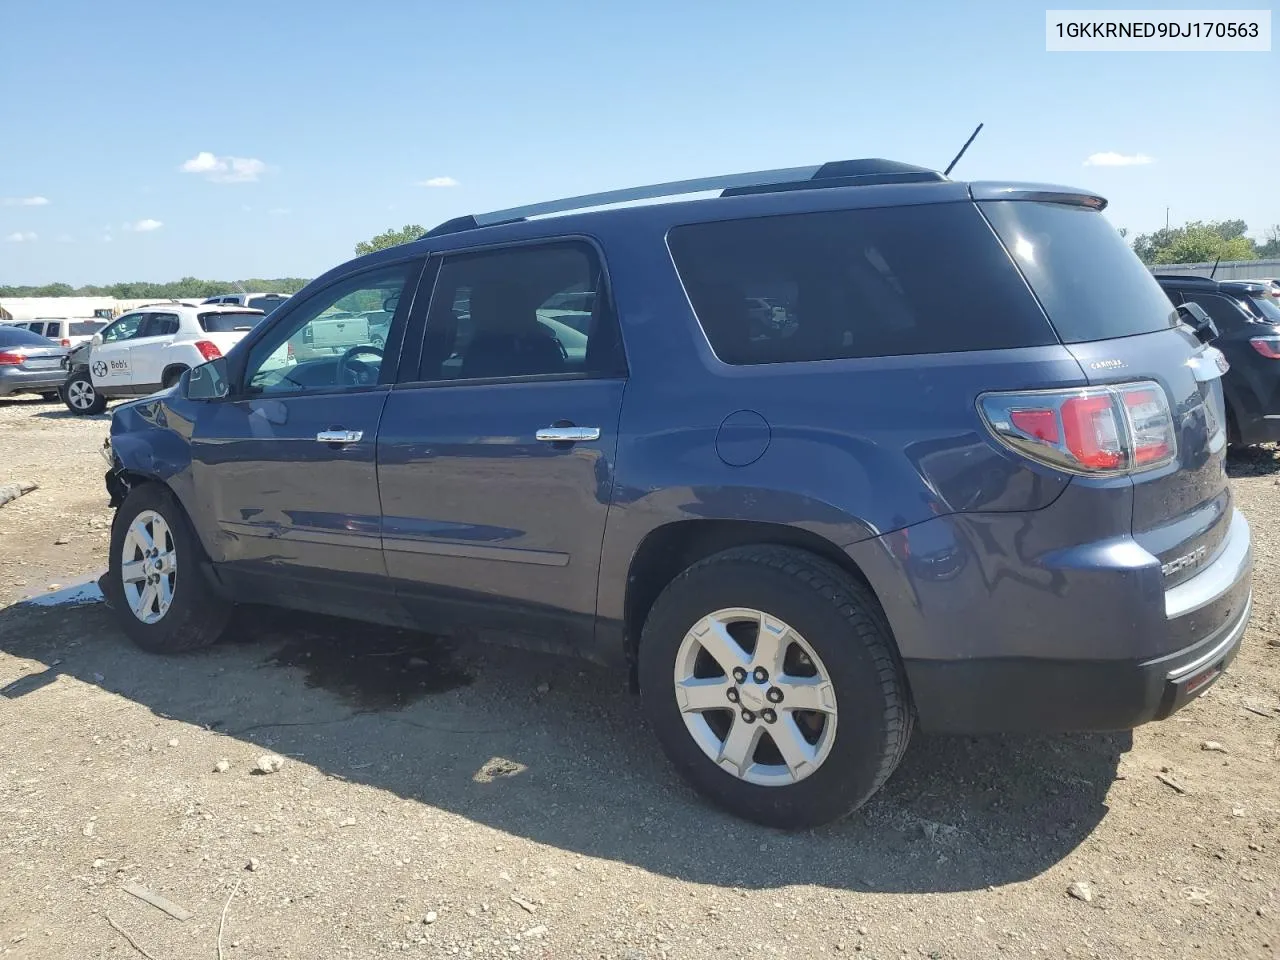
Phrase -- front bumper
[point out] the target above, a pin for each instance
(1040, 695)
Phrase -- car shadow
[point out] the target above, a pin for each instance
(556, 751)
(1259, 461)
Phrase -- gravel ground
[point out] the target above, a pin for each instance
(470, 801)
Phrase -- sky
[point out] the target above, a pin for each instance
(146, 140)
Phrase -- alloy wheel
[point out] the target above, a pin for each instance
(149, 567)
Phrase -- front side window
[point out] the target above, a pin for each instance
(521, 312)
(854, 283)
(333, 340)
(126, 328)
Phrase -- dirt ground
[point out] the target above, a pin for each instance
(479, 802)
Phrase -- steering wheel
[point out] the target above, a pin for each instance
(351, 370)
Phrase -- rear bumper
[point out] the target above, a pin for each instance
(1060, 694)
(30, 381)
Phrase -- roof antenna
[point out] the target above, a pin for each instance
(973, 136)
(1215, 266)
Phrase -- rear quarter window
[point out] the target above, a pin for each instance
(854, 283)
(1092, 286)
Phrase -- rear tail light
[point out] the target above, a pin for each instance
(10, 359)
(208, 349)
(1269, 347)
(65, 342)
(1093, 430)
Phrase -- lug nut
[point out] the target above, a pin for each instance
(774, 695)
(769, 715)
(761, 675)
(739, 674)
(732, 694)
(748, 716)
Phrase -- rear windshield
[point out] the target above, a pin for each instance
(227, 322)
(266, 304)
(1090, 283)
(854, 283)
(1266, 307)
(17, 337)
(85, 328)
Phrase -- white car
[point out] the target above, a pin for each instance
(67, 332)
(149, 349)
(266, 302)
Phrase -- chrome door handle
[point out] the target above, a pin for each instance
(568, 434)
(339, 436)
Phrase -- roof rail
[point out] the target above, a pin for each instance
(836, 174)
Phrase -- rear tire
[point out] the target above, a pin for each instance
(174, 610)
(80, 396)
(810, 604)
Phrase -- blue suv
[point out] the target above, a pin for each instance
(963, 469)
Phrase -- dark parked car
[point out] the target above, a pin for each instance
(1004, 509)
(1248, 322)
(29, 363)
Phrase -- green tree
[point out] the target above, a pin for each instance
(1270, 246)
(1196, 242)
(390, 238)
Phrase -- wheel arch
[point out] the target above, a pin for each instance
(672, 548)
(174, 370)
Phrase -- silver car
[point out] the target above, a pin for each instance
(29, 363)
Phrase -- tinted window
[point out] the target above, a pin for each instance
(1225, 313)
(497, 314)
(85, 328)
(1091, 284)
(1267, 308)
(228, 322)
(161, 325)
(855, 283)
(17, 336)
(266, 304)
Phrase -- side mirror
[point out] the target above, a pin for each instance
(205, 382)
(96, 340)
(1195, 317)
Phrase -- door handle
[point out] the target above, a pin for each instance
(568, 434)
(339, 436)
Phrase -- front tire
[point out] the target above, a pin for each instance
(771, 680)
(154, 581)
(80, 396)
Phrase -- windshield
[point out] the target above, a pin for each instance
(1089, 282)
(266, 304)
(228, 322)
(85, 328)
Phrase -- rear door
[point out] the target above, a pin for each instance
(496, 455)
(1114, 318)
(286, 465)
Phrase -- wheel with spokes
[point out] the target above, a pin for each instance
(155, 584)
(79, 395)
(770, 678)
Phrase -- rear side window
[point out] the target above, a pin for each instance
(1089, 282)
(854, 283)
(227, 322)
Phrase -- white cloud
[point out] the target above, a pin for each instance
(1110, 159)
(225, 169)
(25, 201)
(142, 226)
(20, 237)
(438, 182)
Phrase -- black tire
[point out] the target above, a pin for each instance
(843, 623)
(82, 391)
(196, 617)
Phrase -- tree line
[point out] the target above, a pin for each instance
(1203, 241)
(187, 287)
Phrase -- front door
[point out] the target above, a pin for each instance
(147, 352)
(287, 466)
(109, 366)
(496, 456)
